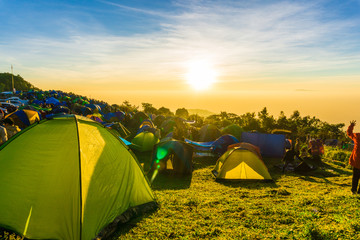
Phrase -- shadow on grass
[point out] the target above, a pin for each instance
(125, 228)
(250, 184)
(203, 162)
(320, 175)
(168, 179)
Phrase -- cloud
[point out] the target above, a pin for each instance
(269, 39)
(137, 10)
(245, 41)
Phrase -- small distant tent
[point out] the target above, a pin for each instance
(271, 145)
(71, 180)
(53, 101)
(209, 133)
(96, 117)
(147, 125)
(144, 141)
(61, 109)
(37, 102)
(94, 107)
(85, 111)
(24, 118)
(167, 126)
(241, 163)
(114, 116)
(234, 130)
(173, 154)
(119, 128)
(220, 145)
(158, 120)
(147, 122)
(147, 128)
(137, 119)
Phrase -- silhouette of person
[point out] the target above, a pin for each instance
(354, 159)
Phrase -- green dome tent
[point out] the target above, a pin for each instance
(179, 153)
(241, 162)
(234, 130)
(208, 133)
(144, 141)
(137, 119)
(167, 126)
(71, 180)
(119, 129)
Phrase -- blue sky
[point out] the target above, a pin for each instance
(140, 48)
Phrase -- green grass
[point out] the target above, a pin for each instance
(318, 205)
(313, 206)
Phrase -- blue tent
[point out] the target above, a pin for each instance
(61, 109)
(52, 100)
(93, 107)
(271, 145)
(114, 116)
(221, 144)
(38, 102)
(146, 128)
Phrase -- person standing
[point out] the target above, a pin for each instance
(354, 159)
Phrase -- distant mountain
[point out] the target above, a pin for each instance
(200, 112)
(19, 83)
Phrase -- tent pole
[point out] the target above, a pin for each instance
(80, 182)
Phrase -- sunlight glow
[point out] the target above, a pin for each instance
(200, 75)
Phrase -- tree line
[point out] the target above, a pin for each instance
(262, 121)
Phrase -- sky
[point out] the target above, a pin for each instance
(234, 56)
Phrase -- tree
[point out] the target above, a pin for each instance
(331, 131)
(282, 122)
(164, 111)
(2, 87)
(198, 119)
(182, 112)
(115, 107)
(249, 122)
(127, 107)
(148, 108)
(267, 122)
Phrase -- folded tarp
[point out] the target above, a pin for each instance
(127, 143)
(199, 144)
(218, 146)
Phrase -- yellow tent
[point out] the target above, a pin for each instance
(241, 163)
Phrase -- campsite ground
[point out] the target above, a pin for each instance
(318, 205)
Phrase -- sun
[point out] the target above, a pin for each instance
(200, 75)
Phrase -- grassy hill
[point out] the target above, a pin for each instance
(200, 112)
(318, 205)
(19, 83)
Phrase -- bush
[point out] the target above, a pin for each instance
(337, 154)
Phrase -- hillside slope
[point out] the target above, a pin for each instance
(19, 83)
